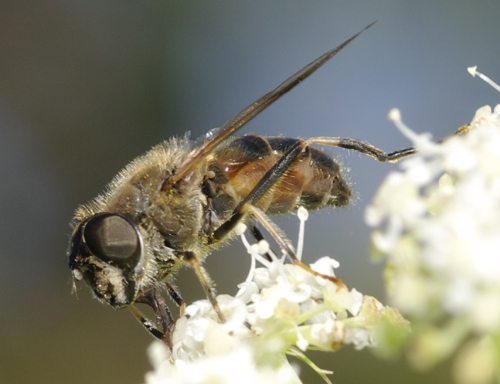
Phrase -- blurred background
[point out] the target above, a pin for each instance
(85, 86)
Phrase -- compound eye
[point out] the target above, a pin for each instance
(113, 239)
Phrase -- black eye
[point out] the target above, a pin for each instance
(113, 239)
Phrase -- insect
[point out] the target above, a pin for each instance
(176, 204)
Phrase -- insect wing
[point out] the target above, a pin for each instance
(247, 114)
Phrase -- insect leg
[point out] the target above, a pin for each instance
(282, 241)
(363, 147)
(176, 297)
(154, 299)
(206, 282)
(150, 327)
(370, 150)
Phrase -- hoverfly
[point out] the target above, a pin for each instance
(176, 204)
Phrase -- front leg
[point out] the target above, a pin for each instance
(154, 299)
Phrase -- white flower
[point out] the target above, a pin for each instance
(236, 367)
(443, 236)
(438, 222)
(281, 309)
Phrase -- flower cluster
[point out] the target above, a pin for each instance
(438, 223)
(280, 309)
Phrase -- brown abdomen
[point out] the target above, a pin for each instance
(313, 181)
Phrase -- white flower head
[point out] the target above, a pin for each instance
(280, 309)
(437, 221)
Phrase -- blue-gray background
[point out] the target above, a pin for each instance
(85, 86)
